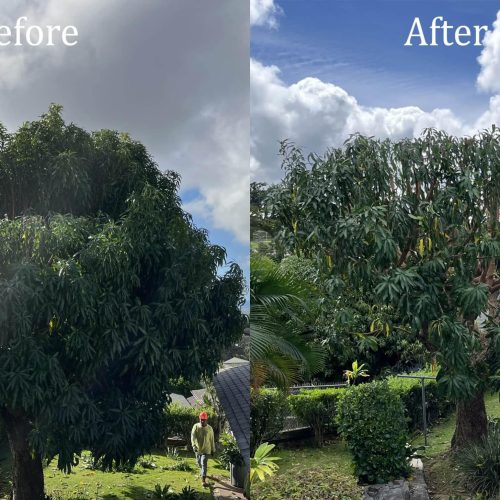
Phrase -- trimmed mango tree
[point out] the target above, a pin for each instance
(413, 226)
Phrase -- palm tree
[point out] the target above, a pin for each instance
(280, 350)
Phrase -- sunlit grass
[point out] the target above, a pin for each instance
(313, 473)
(138, 484)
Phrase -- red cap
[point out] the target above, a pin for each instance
(203, 415)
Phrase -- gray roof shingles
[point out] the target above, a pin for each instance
(233, 389)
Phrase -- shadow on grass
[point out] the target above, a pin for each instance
(141, 493)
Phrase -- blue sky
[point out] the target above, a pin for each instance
(359, 45)
(326, 68)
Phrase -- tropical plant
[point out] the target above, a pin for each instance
(108, 292)
(230, 453)
(263, 465)
(480, 465)
(164, 493)
(281, 351)
(353, 375)
(413, 226)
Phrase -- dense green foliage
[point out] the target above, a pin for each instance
(480, 464)
(371, 419)
(282, 351)
(108, 292)
(268, 410)
(412, 227)
(318, 409)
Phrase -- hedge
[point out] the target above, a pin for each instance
(372, 421)
(179, 421)
(268, 410)
(410, 392)
(316, 408)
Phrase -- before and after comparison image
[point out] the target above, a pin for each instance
(250, 249)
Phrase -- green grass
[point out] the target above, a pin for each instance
(442, 474)
(439, 437)
(310, 473)
(84, 483)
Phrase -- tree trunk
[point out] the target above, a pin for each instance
(27, 470)
(472, 422)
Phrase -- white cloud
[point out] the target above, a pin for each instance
(489, 60)
(317, 115)
(264, 13)
(154, 69)
(216, 160)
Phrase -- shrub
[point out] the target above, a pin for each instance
(410, 392)
(480, 464)
(269, 408)
(230, 453)
(371, 419)
(179, 420)
(317, 408)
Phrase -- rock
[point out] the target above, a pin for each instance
(400, 489)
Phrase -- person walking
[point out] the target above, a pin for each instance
(203, 442)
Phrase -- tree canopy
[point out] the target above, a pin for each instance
(108, 292)
(412, 226)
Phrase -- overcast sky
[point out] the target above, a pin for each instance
(323, 70)
(173, 73)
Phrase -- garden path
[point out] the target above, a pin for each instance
(223, 490)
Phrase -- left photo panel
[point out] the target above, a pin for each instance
(124, 194)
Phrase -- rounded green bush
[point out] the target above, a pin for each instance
(371, 419)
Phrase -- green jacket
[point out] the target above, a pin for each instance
(202, 439)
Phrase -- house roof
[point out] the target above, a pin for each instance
(198, 395)
(179, 398)
(232, 362)
(233, 390)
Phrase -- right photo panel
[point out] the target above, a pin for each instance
(375, 249)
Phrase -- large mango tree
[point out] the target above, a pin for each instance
(108, 292)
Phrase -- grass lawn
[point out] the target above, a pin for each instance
(312, 473)
(442, 475)
(84, 483)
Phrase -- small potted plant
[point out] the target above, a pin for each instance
(231, 458)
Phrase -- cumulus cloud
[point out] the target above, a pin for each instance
(489, 60)
(225, 191)
(317, 115)
(174, 74)
(264, 13)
